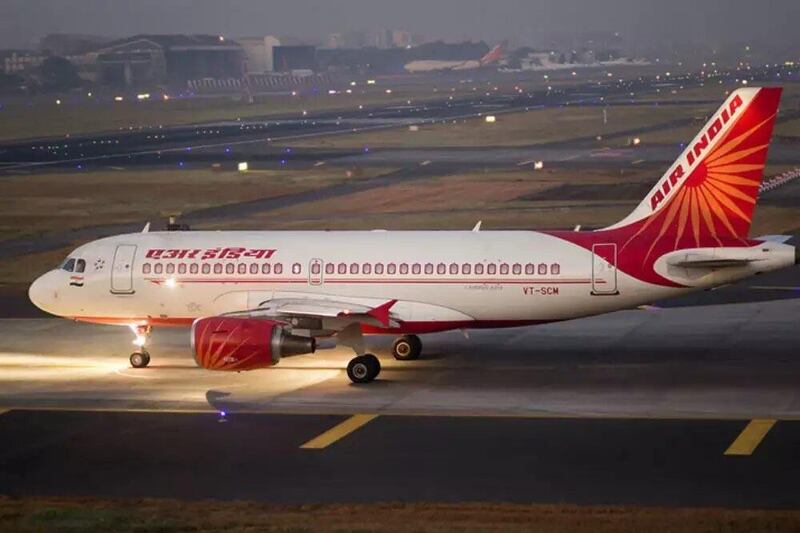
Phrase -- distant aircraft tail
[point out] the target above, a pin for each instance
(493, 56)
(707, 196)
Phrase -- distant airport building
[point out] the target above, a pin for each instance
(146, 60)
(295, 58)
(258, 53)
(376, 38)
(19, 61)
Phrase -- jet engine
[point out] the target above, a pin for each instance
(233, 343)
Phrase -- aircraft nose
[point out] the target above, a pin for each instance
(43, 293)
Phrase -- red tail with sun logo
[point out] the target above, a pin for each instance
(708, 195)
(706, 198)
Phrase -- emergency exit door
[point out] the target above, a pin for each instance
(604, 269)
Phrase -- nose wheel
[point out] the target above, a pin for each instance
(364, 368)
(140, 359)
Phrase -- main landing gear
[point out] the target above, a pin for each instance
(141, 357)
(407, 348)
(363, 368)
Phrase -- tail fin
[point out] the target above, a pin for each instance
(493, 55)
(709, 193)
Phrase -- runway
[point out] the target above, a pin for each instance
(409, 459)
(693, 406)
(732, 361)
(164, 144)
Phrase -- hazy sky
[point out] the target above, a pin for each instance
(23, 22)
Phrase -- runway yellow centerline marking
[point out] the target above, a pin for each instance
(338, 431)
(750, 437)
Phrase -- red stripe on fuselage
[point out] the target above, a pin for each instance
(410, 327)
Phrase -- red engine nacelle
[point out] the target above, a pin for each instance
(229, 343)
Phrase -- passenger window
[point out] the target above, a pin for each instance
(159, 268)
(316, 269)
(404, 268)
(296, 268)
(542, 269)
(504, 269)
(330, 268)
(242, 268)
(342, 269)
(466, 268)
(530, 269)
(441, 268)
(517, 269)
(416, 268)
(229, 268)
(170, 268)
(354, 268)
(555, 269)
(478, 269)
(278, 268)
(146, 268)
(491, 269)
(194, 268)
(68, 265)
(379, 268)
(429, 268)
(391, 269)
(266, 268)
(217, 268)
(206, 268)
(80, 265)
(453, 268)
(366, 268)
(254, 268)
(182, 268)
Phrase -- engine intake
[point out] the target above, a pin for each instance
(228, 343)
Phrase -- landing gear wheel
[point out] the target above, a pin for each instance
(374, 362)
(140, 359)
(407, 348)
(363, 369)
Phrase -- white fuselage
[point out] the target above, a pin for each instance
(441, 279)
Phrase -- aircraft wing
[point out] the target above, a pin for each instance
(324, 308)
(325, 315)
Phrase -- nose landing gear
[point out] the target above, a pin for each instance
(141, 357)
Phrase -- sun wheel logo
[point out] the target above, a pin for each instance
(716, 200)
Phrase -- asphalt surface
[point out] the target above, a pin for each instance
(258, 457)
(635, 407)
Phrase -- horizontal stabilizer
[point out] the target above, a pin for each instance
(773, 238)
(712, 263)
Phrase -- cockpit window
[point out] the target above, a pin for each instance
(80, 265)
(68, 264)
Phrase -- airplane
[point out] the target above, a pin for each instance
(254, 297)
(435, 65)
